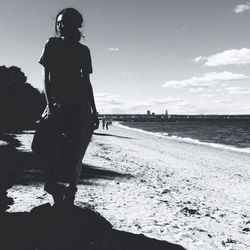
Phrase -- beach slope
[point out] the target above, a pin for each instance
(193, 195)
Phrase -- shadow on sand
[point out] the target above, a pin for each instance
(47, 228)
(121, 137)
(22, 168)
(90, 171)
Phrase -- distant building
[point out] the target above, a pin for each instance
(153, 113)
(166, 112)
(148, 112)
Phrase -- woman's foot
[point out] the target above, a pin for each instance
(70, 195)
(57, 191)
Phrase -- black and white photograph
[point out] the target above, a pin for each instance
(125, 125)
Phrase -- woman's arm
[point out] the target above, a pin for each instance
(91, 100)
(48, 90)
(91, 95)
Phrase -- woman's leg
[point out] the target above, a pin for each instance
(80, 130)
(51, 176)
(77, 164)
(81, 147)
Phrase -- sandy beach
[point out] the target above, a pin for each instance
(194, 195)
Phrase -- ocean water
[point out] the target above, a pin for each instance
(225, 133)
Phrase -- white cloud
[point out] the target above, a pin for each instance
(206, 80)
(165, 100)
(113, 49)
(227, 57)
(207, 96)
(136, 93)
(196, 90)
(114, 104)
(224, 85)
(245, 110)
(155, 105)
(182, 104)
(218, 101)
(238, 90)
(105, 96)
(199, 59)
(103, 99)
(241, 8)
(218, 90)
(108, 103)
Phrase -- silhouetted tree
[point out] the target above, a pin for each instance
(16, 75)
(20, 103)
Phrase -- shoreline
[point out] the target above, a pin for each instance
(188, 194)
(187, 139)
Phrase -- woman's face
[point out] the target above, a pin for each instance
(61, 25)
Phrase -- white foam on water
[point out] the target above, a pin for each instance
(3, 143)
(186, 139)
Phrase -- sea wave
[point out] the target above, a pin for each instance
(186, 139)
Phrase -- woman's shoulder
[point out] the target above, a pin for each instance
(84, 48)
(52, 41)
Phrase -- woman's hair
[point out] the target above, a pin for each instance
(73, 20)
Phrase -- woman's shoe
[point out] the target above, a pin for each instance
(70, 195)
(57, 191)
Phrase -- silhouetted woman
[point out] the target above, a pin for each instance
(70, 100)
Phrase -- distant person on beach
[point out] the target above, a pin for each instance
(70, 100)
(103, 123)
(107, 124)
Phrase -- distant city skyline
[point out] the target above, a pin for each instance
(189, 57)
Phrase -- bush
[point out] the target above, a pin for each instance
(20, 103)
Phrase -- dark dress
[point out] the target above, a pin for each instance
(67, 63)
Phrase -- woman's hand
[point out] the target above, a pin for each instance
(50, 111)
(95, 120)
(46, 113)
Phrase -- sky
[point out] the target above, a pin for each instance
(183, 56)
